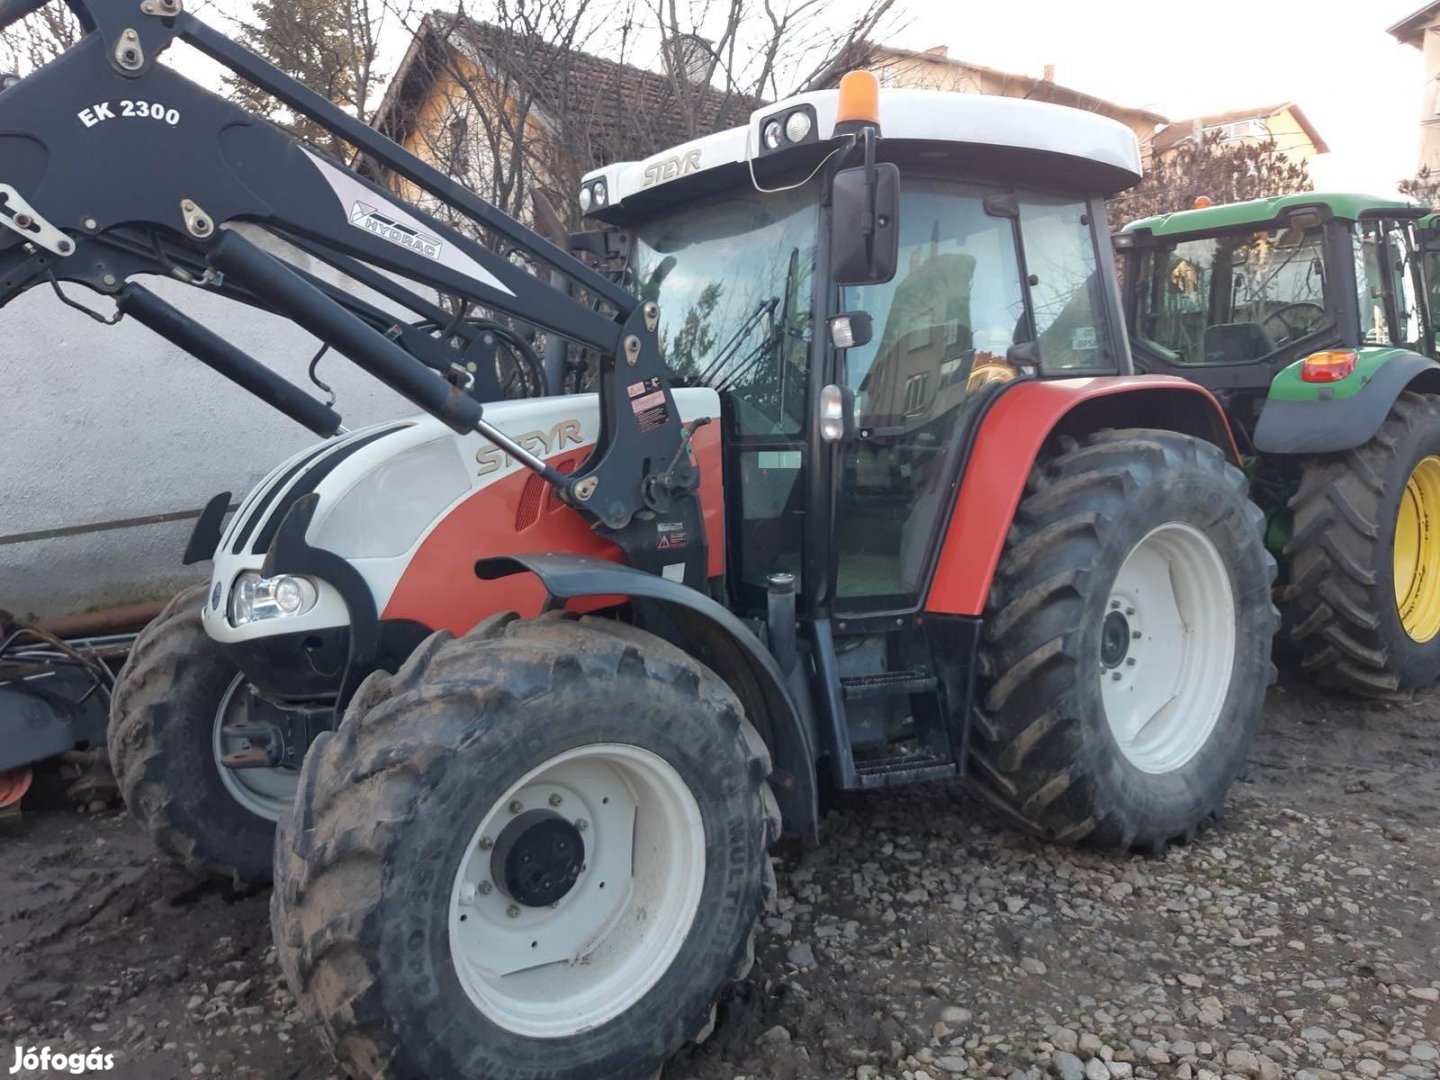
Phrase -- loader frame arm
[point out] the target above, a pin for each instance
(114, 166)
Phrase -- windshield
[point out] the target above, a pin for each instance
(733, 281)
(1231, 299)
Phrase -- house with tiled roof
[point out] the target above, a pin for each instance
(501, 110)
(1284, 125)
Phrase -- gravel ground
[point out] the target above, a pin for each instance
(922, 939)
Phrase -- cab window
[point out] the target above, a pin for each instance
(1389, 302)
(1231, 299)
(1071, 331)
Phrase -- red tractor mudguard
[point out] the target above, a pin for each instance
(1009, 441)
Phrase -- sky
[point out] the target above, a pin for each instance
(1360, 87)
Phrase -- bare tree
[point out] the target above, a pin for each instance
(533, 94)
(1424, 186)
(1221, 170)
(38, 39)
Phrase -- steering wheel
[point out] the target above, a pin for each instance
(1295, 329)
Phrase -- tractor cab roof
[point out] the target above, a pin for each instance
(1049, 145)
(1260, 212)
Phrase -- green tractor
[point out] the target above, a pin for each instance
(1310, 319)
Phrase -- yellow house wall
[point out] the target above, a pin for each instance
(448, 100)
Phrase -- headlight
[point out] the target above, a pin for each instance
(771, 135)
(585, 199)
(255, 598)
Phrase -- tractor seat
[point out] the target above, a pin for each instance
(1236, 343)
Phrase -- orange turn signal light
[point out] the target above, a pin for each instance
(1203, 202)
(859, 98)
(1324, 367)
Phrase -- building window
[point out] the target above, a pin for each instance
(915, 396)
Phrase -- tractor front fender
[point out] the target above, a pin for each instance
(1335, 417)
(1011, 436)
(718, 639)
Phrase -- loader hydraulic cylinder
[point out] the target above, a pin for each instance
(240, 368)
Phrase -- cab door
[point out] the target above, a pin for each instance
(992, 283)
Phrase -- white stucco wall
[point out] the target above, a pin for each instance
(99, 424)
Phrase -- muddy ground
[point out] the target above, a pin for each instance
(924, 938)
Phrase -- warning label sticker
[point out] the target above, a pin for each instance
(647, 402)
(672, 535)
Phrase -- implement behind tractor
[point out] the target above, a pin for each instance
(1309, 318)
(869, 494)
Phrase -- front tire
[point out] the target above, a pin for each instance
(1363, 604)
(176, 692)
(407, 917)
(1127, 649)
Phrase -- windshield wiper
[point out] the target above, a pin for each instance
(727, 352)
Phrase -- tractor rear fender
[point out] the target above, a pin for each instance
(1333, 417)
(1011, 437)
(717, 638)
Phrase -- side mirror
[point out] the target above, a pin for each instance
(864, 197)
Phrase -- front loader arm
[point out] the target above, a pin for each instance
(113, 166)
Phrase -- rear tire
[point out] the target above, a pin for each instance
(1127, 647)
(1362, 617)
(168, 701)
(403, 813)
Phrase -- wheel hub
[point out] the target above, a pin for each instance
(576, 890)
(1167, 647)
(1416, 566)
(261, 788)
(540, 856)
(1114, 639)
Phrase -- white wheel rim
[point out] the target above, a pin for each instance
(266, 793)
(557, 970)
(1164, 686)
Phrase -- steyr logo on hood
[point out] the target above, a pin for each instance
(364, 216)
(672, 167)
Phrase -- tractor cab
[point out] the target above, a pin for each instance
(849, 400)
(1231, 295)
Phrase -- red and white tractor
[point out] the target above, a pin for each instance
(868, 494)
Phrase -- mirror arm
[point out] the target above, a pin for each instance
(867, 219)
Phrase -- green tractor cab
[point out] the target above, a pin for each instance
(1309, 317)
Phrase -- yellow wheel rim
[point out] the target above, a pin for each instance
(1417, 552)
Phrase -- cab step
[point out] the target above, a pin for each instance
(887, 684)
(904, 769)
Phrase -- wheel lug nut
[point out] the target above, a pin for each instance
(486, 843)
(1115, 676)
(582, 824)
(513, 911)
(485, 888)
(516, 806)
(1129, 661)
(1129, 611)
(1114, 604)
(1135, 634)
(556, 800)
